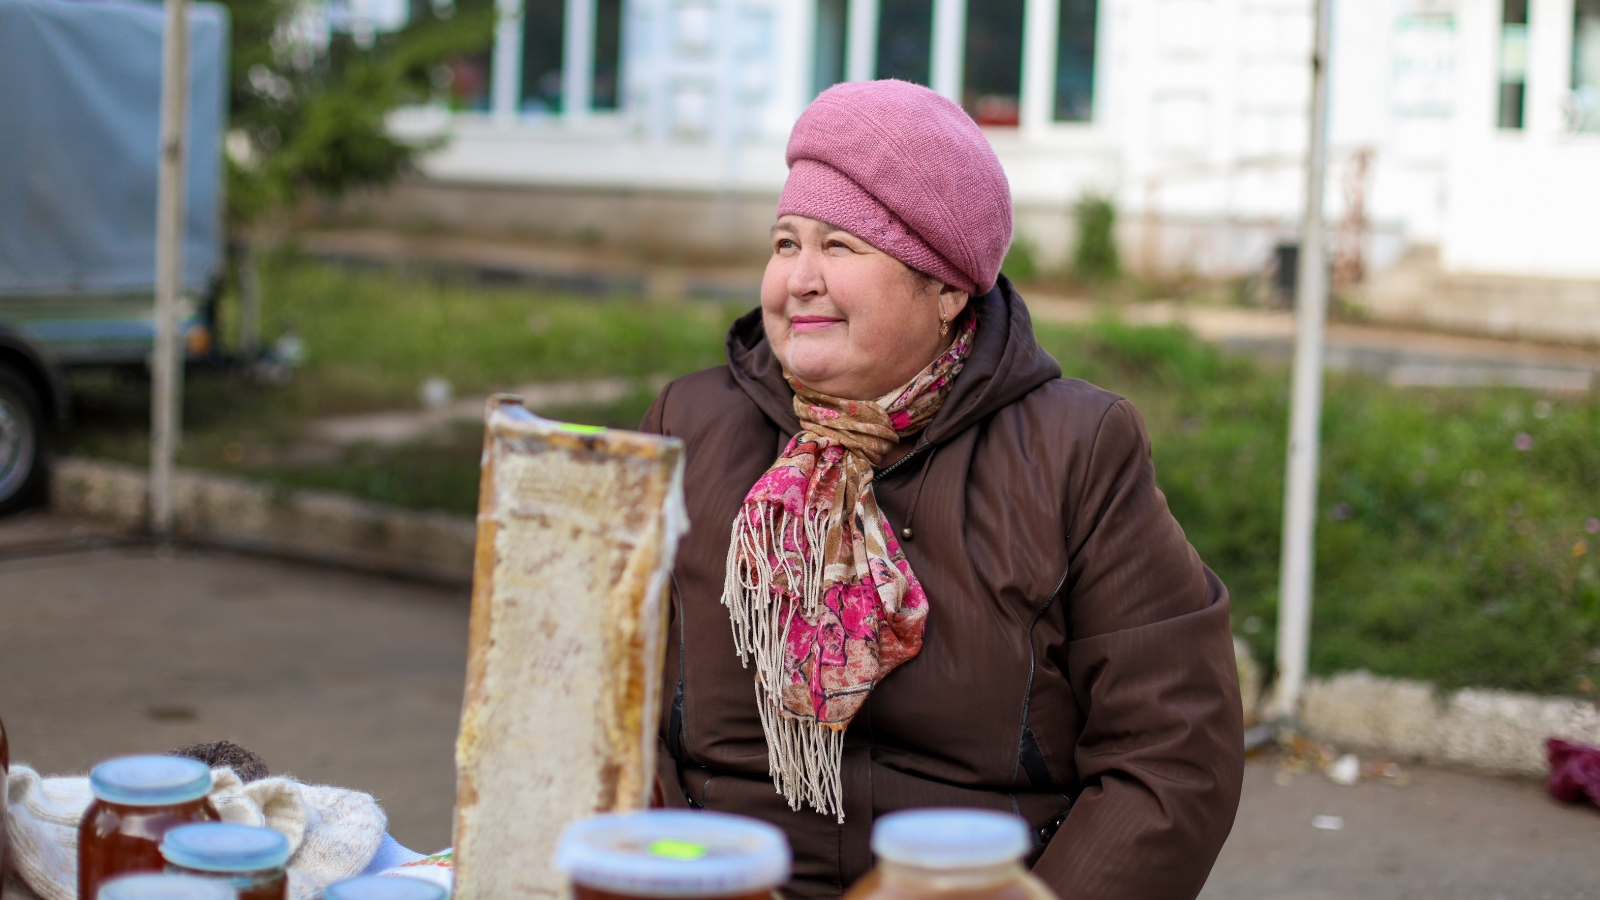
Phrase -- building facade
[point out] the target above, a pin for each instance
(1469, 126)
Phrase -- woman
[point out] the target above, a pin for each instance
(950, 579)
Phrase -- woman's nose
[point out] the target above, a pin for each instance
(805, 278)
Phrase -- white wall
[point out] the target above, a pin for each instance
(1199, 132)
(1528, 202)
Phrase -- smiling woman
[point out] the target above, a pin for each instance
(949, 579)
(847, 318)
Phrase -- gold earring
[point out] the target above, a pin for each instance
(944, 328)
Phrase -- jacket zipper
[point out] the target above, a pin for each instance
(893, 467)
(1033, 665)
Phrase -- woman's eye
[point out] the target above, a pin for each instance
(786, 244)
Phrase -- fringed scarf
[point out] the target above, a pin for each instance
(820, 594)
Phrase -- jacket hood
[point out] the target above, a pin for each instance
(1006, 363)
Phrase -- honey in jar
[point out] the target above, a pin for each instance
(673, 855)
(384, 887)
(137, 800)
(950, 854)
(250, 858)
(148, 886)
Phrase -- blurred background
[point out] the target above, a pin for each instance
(405, 206)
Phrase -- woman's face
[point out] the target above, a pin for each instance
(847, 319)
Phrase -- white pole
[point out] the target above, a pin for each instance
(166, 367)
(1305, 411)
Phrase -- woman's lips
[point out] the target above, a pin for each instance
(812, 323)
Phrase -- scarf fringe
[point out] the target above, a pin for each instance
(804, 756)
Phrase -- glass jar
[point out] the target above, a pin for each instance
(250, 858)
(950, 854)
(384, 887)
(673, 855)
(150, 886)
(137, 800)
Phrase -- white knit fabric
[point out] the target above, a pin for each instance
(334, 832)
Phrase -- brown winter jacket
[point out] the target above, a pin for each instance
(1077, 666)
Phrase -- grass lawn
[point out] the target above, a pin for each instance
(1457, 543)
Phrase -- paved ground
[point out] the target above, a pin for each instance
(351, 679)
(332, 676)
(1443, 835)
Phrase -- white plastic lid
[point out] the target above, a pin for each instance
(150, 780)
(166, 887)
(674, 853)
(223, 847)
(384, 887)
(950, 838)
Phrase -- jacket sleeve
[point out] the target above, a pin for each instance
(1149, 656)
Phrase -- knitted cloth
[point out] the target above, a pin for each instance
(907, 171)
(821, 597)
(334, 832)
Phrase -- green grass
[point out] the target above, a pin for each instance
(371, 341)
(1443, 551)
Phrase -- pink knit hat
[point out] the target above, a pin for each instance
(907, 171)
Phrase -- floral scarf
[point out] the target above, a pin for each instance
(819, 591)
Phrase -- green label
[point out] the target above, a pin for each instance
(678, 849)
(580, 429)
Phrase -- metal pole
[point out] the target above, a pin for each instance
(1305, 411)
(166, 367)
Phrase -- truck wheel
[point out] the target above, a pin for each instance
(22, 458)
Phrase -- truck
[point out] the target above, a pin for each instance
(80, 98)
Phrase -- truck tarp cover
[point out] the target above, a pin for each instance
(80, 120)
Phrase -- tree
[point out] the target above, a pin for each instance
(308, 105)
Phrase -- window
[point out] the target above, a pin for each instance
(1513, 63)
(992, 73)
(833, 20)
(543, 29)
(1075, 61)
(607, 53)
(905, 39)
(545, 55)
(1586, 66)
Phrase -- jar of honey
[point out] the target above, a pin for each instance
(950, 854)
(384, 887)
(250, 858)
(673, 855)
(137, 800)
(148, 886)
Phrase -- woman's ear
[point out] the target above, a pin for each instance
(952, 301)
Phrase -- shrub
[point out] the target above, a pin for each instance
(1094, 258)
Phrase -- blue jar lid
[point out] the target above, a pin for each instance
(384, 887)
(150, 780)
(673, 853)
(221, 847)
(166, 887)
(950, 838)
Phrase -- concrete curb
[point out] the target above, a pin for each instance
(1495, 731)
(312, 525)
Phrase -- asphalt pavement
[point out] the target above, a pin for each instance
(339, 677)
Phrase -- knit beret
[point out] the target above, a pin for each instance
(907, 171)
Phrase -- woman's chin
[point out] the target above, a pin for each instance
(811, 366)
